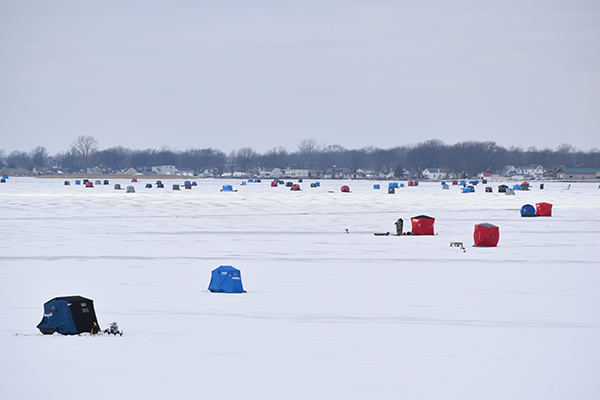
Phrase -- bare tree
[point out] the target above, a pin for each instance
(309, 150)
(427, 154)
(84, 147)
(245, 158)
(19, 159)
(65, 161)
(39, 156)
(115, 158)
(307, 146)
(276, 157)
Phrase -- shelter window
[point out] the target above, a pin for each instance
(85, 310)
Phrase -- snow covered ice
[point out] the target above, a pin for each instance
(328, 314)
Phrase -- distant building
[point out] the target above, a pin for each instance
(129, 171)
(433, 173)
(46, 170)
(15, 172)
(578, 173)
(208, 173)
(509, 170)
(164, 170)
(184, 172)
(94, 170)
(274, 173)
(296, 172)
(530, 170)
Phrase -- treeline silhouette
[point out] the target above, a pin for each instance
(468, 158)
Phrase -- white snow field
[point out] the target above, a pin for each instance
(327, 314)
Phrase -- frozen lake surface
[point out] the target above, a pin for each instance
(328, 314)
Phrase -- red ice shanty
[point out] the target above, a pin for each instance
(486, 235)
(422, 225)
(543, 209)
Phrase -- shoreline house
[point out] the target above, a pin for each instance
(433, 173)
(164, 170)
(296, 172)
(44, 170)
(275, 173)
(531, 170)
(15, 172)
(578, 173)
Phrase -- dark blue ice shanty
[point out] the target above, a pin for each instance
(226, 279)
(69, 315)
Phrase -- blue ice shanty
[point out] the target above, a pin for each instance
(528, 211)
(227, 188)
(70, 315)
(226, 279)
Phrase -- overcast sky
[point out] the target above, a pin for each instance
(230, 74)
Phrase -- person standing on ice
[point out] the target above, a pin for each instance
(399, 226)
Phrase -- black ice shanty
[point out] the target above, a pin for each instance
(70, 315)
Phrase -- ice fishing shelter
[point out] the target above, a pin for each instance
(527, 211)
(70, 315)
(226, 279)
(422, 225)
(502, 188)
(345, 189)
(543, 209)
(486, 235)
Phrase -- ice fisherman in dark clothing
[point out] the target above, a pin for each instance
(399, 226)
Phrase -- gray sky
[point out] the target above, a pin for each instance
(229, 74)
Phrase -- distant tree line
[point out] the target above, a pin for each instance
(468, 158)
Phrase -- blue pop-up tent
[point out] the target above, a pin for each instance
(528, 211)
(226, 279)
(70, 315)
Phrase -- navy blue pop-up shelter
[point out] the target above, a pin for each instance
(226, 279)
(70, 315)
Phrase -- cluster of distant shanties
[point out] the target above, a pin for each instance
(427, 174)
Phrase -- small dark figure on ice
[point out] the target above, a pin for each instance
(399, 226)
